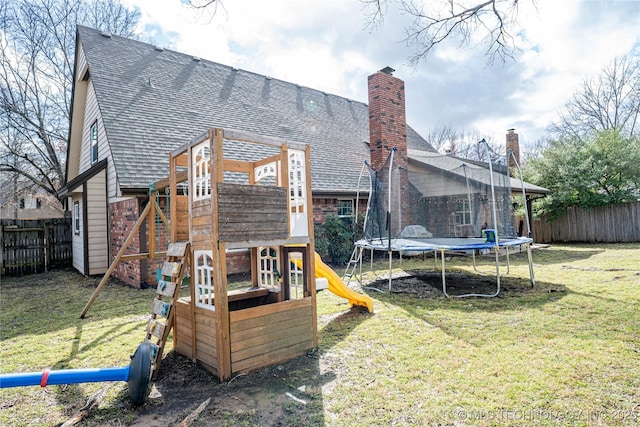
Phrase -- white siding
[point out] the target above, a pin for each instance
(91, 114)
(77, 240)
(82, 63)
(97, 224)
(436, 184)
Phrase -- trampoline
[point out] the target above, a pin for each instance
(442, 205)
(442, 246)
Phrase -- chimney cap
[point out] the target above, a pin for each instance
(511, 130)
(387, 70)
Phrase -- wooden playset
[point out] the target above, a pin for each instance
(231, 190)
(262, 204)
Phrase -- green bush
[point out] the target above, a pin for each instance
(333, 240)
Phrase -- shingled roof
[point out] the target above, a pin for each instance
(153, 100)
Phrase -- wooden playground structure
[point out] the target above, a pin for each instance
(231, 332)
(261, 201)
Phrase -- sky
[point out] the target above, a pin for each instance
(327, 45)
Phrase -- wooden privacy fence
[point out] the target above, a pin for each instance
(602, 224)
(34, 246)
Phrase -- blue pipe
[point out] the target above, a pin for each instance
(67, 376)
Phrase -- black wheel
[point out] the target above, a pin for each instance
(139, 374)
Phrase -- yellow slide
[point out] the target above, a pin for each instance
(338, 287)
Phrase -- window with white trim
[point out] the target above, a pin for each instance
(93, 137)
(76, 217)
(268, 261)
(463, 213)
(297, 181)
(201, 171)
(203, 270)
(345, 208)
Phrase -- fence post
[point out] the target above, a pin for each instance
(2, 249)
(46, 246)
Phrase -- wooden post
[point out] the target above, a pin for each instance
(47, 262)
(173, 197)
(311, 268)
(219, 260)
(115, 262)
(152, 226)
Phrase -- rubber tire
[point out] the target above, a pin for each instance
(139, 374)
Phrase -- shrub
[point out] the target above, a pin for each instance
(334, 240)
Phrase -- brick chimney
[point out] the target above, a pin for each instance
(387, 121)
(388, 130)
(514, 146)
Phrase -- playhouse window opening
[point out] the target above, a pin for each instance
(297, 182)
(201, 172)
(269, 274)
(204, 280)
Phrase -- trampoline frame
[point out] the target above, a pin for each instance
(442, 246)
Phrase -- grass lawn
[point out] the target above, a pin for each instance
(566, 352)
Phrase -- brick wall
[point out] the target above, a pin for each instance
(238, 262)
(323, 207)
(123, 216)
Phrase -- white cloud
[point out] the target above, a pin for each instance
(323, 44)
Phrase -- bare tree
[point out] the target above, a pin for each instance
(206, 8)
(37, 42)
(441, 137)
(609, 101)
(462, 143)
(438, 20)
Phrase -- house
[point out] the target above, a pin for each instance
(27, 203)
(133, 103)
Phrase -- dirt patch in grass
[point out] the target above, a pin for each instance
(428, 284)
(274, 396)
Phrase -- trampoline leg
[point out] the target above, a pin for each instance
(444, 280)
(360, 265)
(497, 251)
(371, 260)
(531, 275)
(390, 268)
(473, 256)
(506, 248)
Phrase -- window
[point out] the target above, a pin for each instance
(201, 171)
(463, 213)
(76, 217)
(203, 270)
(345, 208)
(268, 262)
(94, 142)
(21, 203)
(297, 184)
(38, 203)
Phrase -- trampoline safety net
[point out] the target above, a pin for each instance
(438, 196)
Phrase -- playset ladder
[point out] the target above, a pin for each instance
(168, 291)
